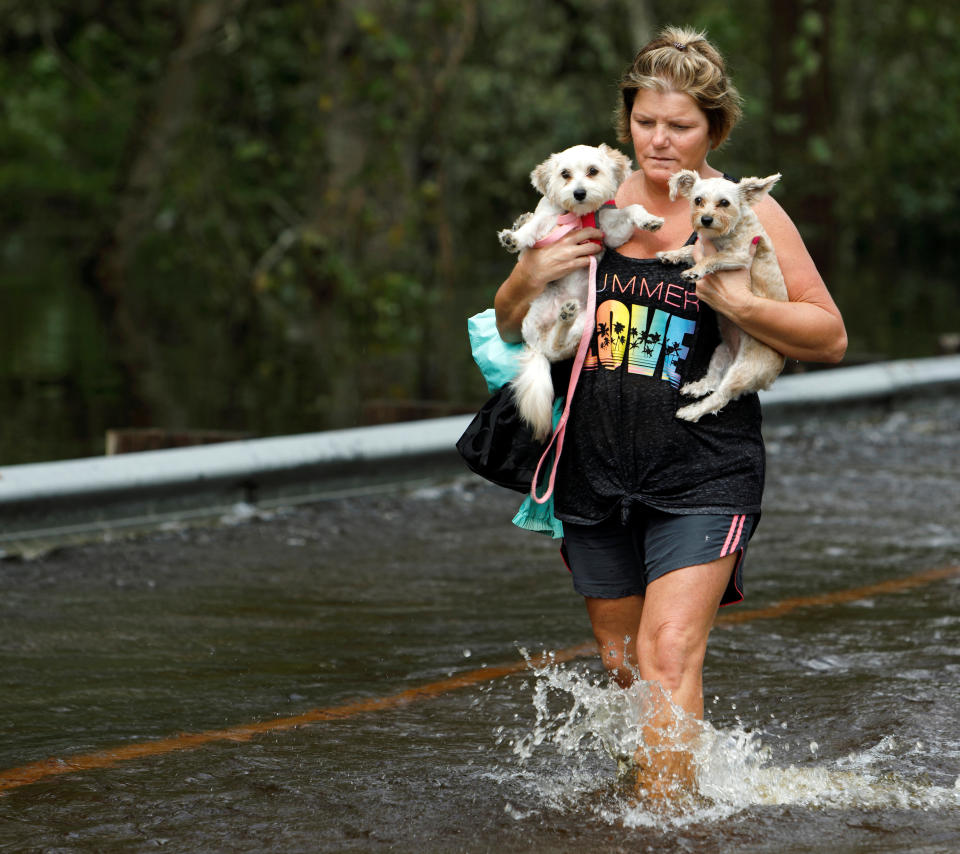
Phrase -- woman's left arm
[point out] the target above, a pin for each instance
(808, 327)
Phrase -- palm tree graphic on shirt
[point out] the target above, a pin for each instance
(649, 341)
(603, 331)
(617, 336)
(672, 348)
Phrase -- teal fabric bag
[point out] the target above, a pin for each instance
(497, 361)
(496, 358)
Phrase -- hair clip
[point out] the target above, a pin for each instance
(679, 46)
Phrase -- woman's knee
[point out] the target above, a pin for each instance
(616, 623)
(669, 652)
(619, 660)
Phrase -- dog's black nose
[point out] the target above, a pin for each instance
(580, 195)
(706, 221)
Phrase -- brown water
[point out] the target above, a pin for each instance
(835, 726)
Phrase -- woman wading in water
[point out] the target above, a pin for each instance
(657, 512)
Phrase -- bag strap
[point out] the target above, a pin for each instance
(566, 224)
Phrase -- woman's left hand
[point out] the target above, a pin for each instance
(728, 291)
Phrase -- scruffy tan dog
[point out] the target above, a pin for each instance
(576, 181)
(722, 211)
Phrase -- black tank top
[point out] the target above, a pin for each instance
(624, 444)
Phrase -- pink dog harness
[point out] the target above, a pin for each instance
(565, 224)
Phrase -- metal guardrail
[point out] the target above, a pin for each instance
(73, 500)
(878, 381)
(56, 502)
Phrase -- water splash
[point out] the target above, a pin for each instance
(595, 728)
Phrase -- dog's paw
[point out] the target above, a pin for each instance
(508, 240)
(521, 220)
(569, 310)
(643, 219)
(672, 256)
(690, 413)
(697, 389)
(692, 274)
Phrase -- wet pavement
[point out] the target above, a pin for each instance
(834, 727)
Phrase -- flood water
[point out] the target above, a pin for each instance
(832, 727)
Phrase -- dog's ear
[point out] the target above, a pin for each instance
(754, 189)
(681, 183)
(621, 163)
(540, 177)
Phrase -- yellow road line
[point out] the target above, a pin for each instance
(26, 775)
(893, 585)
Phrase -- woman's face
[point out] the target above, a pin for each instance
(670, 132)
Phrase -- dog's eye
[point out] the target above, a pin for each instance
(593, 171)
(565, 174)
(724, 203)
(698, 201)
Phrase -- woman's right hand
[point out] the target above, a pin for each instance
(534, 270)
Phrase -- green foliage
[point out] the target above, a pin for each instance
(257, 216)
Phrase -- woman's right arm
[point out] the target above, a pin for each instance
(534, 270)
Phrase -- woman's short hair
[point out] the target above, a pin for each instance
(682, 60)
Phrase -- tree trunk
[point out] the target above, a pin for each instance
(150, 147)
(801, 113)
(431, 151)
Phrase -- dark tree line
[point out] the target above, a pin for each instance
(275, 217)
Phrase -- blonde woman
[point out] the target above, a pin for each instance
(657, 512)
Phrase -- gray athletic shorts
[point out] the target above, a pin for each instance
(613, 559)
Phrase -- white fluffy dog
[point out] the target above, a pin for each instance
(578, 180)
(723, 212)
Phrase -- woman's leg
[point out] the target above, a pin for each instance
(678, 614)
(616, 623)
(608, 572)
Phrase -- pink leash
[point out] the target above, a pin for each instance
(565, 224)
